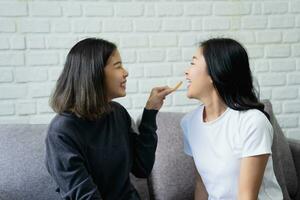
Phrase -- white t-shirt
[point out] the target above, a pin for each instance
(218, 146)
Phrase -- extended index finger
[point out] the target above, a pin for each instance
(165, 92)
(160, 88)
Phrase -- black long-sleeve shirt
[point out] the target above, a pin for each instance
(92, 160)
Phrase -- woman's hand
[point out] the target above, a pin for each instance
(157, 96)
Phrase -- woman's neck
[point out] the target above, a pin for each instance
(213, 107)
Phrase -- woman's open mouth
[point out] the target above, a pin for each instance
(123, 84)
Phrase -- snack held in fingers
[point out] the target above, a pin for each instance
(177, 86)
(157, 96)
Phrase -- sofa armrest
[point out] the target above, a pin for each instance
(295, 149)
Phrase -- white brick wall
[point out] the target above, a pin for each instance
(156, 41)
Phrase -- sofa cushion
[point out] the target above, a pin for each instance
(284, 167)
(172, 176)
(23, 175)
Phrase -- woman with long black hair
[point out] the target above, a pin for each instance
(91, 147)
(229, 135)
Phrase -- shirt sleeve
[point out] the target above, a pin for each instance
(144, 143)
(186, 145)
(65, 164)
(257, 135)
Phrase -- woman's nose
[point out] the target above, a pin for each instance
(126, 73)
(186, 72)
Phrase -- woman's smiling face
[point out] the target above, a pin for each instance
(199, 82)
(116, 75)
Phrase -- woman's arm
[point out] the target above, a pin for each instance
(251, 175)
(65, 164)
(144, 144)
(200, 191)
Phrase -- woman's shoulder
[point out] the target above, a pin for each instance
(63, 123)
(63, 133)
(120, 113)
(116, 106)
(254, 118)
(253, 115)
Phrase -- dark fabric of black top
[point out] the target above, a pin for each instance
(92, 160)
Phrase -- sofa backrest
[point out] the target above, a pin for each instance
(283, 163)
(172, 176)
(23, 175)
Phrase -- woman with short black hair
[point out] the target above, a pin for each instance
(229, 135)
(91, 147)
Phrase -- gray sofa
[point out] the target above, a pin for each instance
(23, 175)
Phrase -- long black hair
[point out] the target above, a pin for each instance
(81, 87)
(228, 65)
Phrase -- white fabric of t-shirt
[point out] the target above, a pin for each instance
(218, 146)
